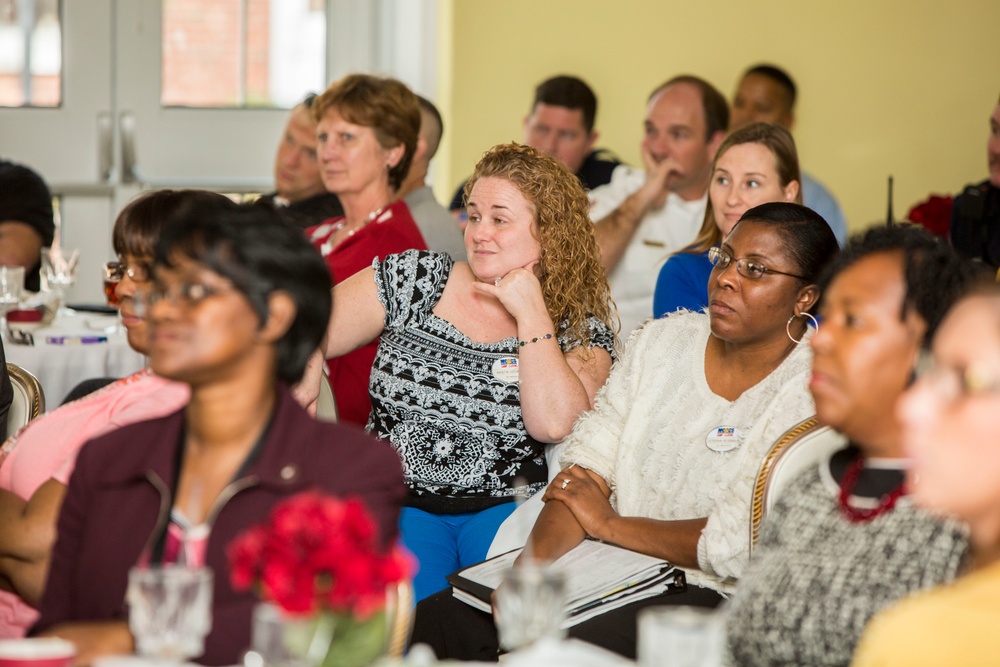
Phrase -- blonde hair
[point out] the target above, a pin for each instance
(570, 271)
(772, 137)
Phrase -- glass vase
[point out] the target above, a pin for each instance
(325, 639)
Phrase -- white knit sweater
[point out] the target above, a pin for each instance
(647, 437)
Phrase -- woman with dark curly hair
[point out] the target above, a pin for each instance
(844, 540)
(481, 364)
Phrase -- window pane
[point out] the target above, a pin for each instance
(30, 53)
(242, 53)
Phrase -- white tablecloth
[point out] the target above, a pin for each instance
(59, 368)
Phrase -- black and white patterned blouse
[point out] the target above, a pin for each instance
(449, 405)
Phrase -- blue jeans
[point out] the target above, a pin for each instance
(443, 543)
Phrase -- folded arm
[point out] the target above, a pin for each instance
(586, 496)
(555, 387)
(27, 535)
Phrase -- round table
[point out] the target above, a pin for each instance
(77, 356)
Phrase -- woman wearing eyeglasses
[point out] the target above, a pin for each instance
(664, 464)
(948, 419)
(36, 463)
(845, 540)
(238, 303)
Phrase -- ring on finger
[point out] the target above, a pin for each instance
(496, 282)
(566, 481)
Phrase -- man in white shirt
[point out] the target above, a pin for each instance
(439, 229)
(766, 94)
(642, 216)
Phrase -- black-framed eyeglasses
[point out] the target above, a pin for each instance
(748, 268)
(139, 272)
(954, 382)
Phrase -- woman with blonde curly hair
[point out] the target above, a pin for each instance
(481, 364)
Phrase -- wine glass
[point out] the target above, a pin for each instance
(112, 274)
(170, 611)
(11, 286)
(59, 271)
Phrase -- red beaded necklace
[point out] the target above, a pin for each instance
(847, 484)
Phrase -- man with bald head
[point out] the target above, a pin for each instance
(436, 225)
(644, 215)
(766, 94)
(300, 196)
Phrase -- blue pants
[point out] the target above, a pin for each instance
(443, 543)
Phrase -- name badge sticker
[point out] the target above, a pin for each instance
(505, 369)
(723, 439)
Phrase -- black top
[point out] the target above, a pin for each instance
(975, 223)
(308, 212)
(594, 172)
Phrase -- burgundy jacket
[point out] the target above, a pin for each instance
(120, 491)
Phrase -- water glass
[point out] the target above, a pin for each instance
(680, 636)
(59, 268)
(531, 605)
(11, 287)
(170, 611)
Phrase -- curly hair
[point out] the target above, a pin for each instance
(772, 137)
(934, 275)
(382, 103)
(570, 271)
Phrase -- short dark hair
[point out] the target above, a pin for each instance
(570, 92)
(779, 76)
(139, 225)
(26, 198)
(251, 247)
(934, 275)
(713, 103)
(806, 236)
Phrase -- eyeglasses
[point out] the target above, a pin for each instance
(185, 295)
(139, 272)
(953, 382)
(748, 268)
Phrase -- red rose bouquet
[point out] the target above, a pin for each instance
(318, 558)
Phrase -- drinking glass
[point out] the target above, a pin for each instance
(11, 287)
(59, 271)
(170, 611)
(680, 636)
(531, 605)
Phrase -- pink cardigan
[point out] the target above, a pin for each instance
(47, 447)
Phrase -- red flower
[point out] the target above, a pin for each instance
(318, 552)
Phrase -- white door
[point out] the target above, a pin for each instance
(111, 136)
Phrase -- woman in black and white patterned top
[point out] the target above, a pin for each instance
(844, 540)
(481, 364)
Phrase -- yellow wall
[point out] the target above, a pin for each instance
(901, 87)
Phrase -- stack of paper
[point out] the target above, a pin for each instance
(599, 577)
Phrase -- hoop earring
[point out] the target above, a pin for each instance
(812, 319)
